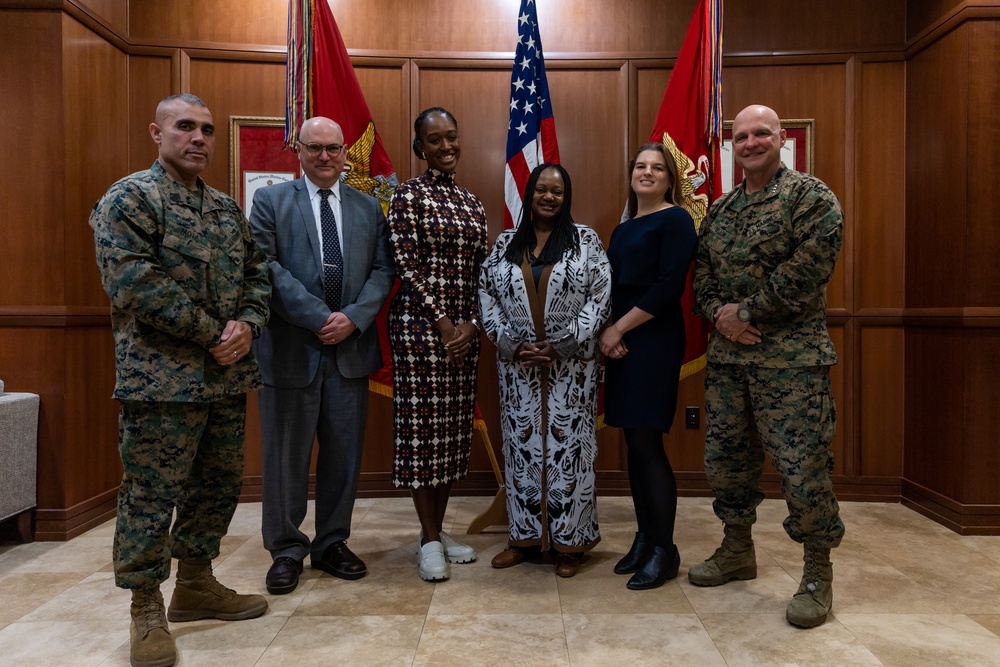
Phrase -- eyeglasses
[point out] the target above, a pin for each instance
(333, 150)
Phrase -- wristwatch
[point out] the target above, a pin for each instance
(743, 313)
(255, 330)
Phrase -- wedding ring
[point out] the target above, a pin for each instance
(235, 355)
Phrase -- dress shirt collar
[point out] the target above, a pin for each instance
(314, 189)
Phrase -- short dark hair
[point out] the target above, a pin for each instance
(188, 98)
(418, 125)
(564, 236)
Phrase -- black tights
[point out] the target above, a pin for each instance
(654, 489)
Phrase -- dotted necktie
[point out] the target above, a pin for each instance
(333, 259)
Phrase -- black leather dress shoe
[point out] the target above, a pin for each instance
(341, 562)
(636, 556)
(660, 567)
(283, 576)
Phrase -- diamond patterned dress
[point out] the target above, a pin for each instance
(439, 236)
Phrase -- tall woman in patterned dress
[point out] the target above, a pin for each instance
(438, 230)
(545, 292)
(650, 255)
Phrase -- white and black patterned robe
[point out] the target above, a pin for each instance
(551, 500)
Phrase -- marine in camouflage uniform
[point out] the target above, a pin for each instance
(188, 286)
(764, 258)
(177, 269)
(772, 251)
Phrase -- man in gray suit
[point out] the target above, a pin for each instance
(331, 269)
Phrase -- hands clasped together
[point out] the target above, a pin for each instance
(233, 344)
(729, 325)
(457, 339)
(539, 353)
(611, 343)
(337, 328)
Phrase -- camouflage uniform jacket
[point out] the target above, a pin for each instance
(773, 250)
(176, 272)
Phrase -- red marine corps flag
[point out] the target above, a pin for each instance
(321, 82)
(689, 124)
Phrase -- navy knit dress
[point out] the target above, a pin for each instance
(650, 258)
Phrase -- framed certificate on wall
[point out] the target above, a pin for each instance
(257, 158)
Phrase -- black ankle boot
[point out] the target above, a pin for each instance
(661, 566)
(636, 556)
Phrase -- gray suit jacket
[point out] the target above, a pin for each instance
(283, 224)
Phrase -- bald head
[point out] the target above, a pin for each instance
(321, 151)
(761, 113)
(757, 142)
(317, 125)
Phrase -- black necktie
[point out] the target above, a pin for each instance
(333, 259)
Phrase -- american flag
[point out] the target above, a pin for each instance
(531, 132)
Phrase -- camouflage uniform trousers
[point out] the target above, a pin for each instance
(183, 455)
(790, 414)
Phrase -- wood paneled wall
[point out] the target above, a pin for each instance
(63, 143)
(952, 315)
(82, 104)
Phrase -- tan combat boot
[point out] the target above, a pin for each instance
(198, 594)
(151, 644)
(734, 559)
(814, 599)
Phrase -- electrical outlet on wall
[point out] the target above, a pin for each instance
(692, 416)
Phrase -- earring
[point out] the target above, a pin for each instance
(423, 155)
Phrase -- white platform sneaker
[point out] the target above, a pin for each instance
(433, 565)
(455, 551)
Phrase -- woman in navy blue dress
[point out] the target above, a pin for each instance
(650, 255)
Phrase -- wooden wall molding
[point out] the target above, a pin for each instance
(36, 4)
(787, 58)
(955, 316)
(235, 55)
(881, 56)
(46, 313)
(967, 10)
(165, 51)
(962, 518)
(880, 315)
(61, 321)
(262, 50)
(78, 11)
(65, 524)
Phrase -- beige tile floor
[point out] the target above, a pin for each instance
(908, 593)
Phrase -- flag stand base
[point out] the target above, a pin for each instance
(496, 513)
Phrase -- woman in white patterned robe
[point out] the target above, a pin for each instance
(544, 314)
